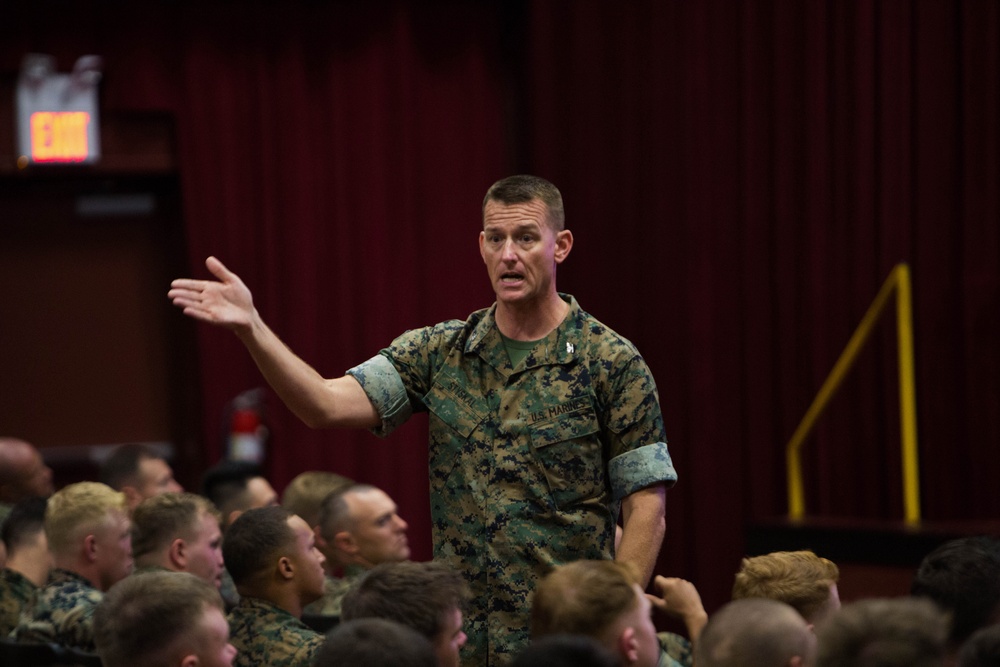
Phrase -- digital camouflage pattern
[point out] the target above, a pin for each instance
(528, 465)
(675, 651)
(62, 613)
(334, 590)
(227, 589)
(265, 634)
(16, 591)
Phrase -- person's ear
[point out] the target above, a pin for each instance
(286, 570)
(233, 516)
(178, 553)
(564, 243)
(90, 548)
(190, 661)
(796, 661)
(482, 245)
(628, 645)
(344, 541)
(132, 495)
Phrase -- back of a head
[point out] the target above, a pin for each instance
(755, 632)
(884, 632)
(304, 495)
(335, 511)
(375, 642)
(963, 577)
(225, 484)
(121, 468)
(798, 578)
(151, 618)
(77, 509)
(22, 526)
(254, 543)
(565, 651)
(418, 595)
(982, 649)
(158, 521)
(584, 597)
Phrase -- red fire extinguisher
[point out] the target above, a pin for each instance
(247, 433)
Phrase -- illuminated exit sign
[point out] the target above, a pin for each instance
(57, 114)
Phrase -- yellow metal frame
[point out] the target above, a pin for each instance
(898, 282)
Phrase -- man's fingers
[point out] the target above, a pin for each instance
(219, 270)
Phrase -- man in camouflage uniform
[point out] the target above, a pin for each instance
(544, 423)
(359, 527)
(272, 556)
(28, 560)
(87, 528)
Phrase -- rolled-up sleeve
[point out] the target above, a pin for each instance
(641, 467)
(384, 387)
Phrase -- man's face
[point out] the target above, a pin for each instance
(521, 251)
(214, 649)
(379, 532)
(307, 560)
(451, 639)
(262, 494)
(113, 549)
(204, 551)
(38, 477)
(641, 621)
(156, 477)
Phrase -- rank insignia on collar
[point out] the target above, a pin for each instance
(569, 348)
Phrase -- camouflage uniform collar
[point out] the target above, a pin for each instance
(59, 575)
(248, 602)
(15, 578)
(558, 347)
(353, 571)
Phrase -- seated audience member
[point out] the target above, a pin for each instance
(428, 597)
(375, 642)
(28, 560)
(359, 528)
(798, 578)
(305, 493)
(599, 599)
(962, 577)
(235, 487)
(565, 651)
(755, 632)
(272, 557)
(878, 632)
(87, 528)
(178, 532)
(681, 600)
(139, 471)
(162, 619)
(982, 649)
(23, 474)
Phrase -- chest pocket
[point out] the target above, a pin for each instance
(568, 448)
(451, 406)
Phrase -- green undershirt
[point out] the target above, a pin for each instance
(517, 350)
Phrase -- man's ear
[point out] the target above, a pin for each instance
(564, 243)
(233, 516)
(344, 541)
(796, 661)
(628, 646)
(286, 570)
(90, 548)
(178, 553)
(132, 496)
(190, 661)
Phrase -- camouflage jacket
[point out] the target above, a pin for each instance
(62, 612)
(675, 651)
(265, 634)
(16, 591)
(334, 591)
(528, 465)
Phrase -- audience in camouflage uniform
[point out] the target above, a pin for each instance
(28, 560)
(87, 528)
(272, 557)
(139, 471)
(178, 532)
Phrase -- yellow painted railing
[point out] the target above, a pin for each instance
(898, 282)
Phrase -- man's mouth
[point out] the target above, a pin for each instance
(511, 277)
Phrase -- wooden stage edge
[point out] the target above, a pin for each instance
(876, 558)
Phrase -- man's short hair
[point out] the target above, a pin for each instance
(754, 632)
(963, 577)
(225, 484)
(22, 525)
(78, 509)
(584, 597)
(418, 595)
(524, 188)
(566, 651)
(143, 617)
(335, 513)
(375, 642)
(255, 542)
(158, 521)
(883, 632)
(121, 468)
(304, 495)
(798, 578)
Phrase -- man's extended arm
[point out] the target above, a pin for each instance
(316, 401)
(643, 526)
